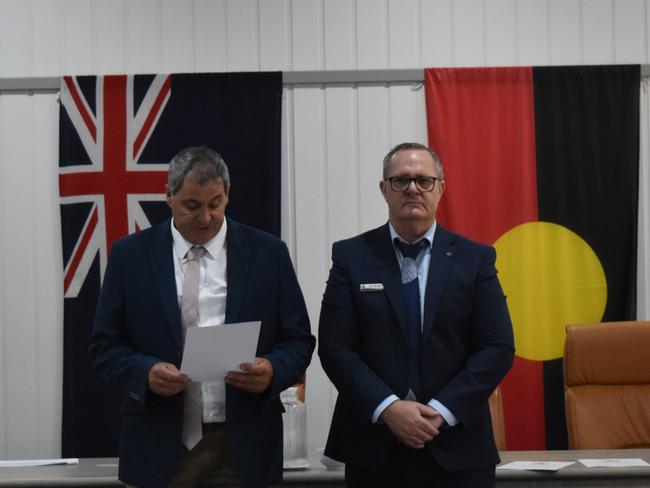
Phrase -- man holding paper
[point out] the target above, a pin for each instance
(199, 268)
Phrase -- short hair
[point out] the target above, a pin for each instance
(414, 146)
(207, 164)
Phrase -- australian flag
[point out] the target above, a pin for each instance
(117, 136)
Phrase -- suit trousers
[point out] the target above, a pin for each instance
(208, 464)
(416, 468)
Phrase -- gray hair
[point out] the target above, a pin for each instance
(413, 146)
(207, 164)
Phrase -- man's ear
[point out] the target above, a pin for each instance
(168, 195)
(382, 188)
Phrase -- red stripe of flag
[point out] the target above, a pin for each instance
(88, 120)
(153, 113)
(481, 123)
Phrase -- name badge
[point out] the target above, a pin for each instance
(371, 286)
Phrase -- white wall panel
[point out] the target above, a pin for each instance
(210, 35)
(334, 138)
(342, 182)
(437, 31)
(176, 36)
(310, 173)
(501, 33)
(407, 121)
(45, 33)
(15, 38)
(339, 21)
(372, 34)
(5, 157)
(629, 32)
(275, 41)
(565, 32)
(288, 183)
(76, 37)
(20, 278)
(48, 286)
(374, 142)
(307, 34)
(469, 33)
(143, 54)
(109, 42)
(597, 31)
(243, 35)
(532, 32)
(404, 33)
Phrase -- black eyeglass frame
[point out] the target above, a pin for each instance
(417, 180)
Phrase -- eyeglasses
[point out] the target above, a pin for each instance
(422, 183)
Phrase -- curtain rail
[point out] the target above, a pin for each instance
(52, 84)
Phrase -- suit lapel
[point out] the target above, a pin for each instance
(382, 253)
(442, 257)
(162, 263)
(238, 257)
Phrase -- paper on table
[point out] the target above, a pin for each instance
(210, 352)
(536, 465)
(19, 463)
(613, 463)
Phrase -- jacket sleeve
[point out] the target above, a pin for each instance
(340, 343)
(491, 346)
(294, 344)
(115, 360)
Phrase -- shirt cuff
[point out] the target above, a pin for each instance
(449, 417)
(383, 406)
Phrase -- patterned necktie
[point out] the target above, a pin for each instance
(411, 290)
(193, 402)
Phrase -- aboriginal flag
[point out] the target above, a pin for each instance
(542, 163)
(117, 136)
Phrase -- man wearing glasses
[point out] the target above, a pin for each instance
(415, 335)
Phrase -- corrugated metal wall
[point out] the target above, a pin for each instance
(334, 136)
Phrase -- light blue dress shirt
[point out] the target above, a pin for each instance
(422, 265)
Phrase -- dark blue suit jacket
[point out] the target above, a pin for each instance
(467, 346)
(138, 323)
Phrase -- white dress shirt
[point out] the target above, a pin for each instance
(212, 305)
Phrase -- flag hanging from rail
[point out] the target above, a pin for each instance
(117, 135)
(542, 163)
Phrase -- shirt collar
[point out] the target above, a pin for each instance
(428, 235)
(213, 246)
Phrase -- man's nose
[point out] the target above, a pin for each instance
(412, 187)
(204, 215)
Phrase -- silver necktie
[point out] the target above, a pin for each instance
(193, 402)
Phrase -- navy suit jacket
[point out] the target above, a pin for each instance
(138, 323)
(467, 346)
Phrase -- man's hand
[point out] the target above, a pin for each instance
(165, 379)
(412, 423)
(256, 377)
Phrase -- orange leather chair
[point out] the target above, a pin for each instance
(607, 385)
(498, 424)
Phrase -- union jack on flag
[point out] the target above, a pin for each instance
(113, 136)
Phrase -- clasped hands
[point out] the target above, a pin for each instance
(413, 423)
(165, 378)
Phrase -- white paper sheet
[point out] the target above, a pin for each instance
(536, 465)
(613, 463)
(210, 352)
(19, 463)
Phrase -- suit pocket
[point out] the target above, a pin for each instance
(132, 406)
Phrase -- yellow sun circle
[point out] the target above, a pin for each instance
(551, 278)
